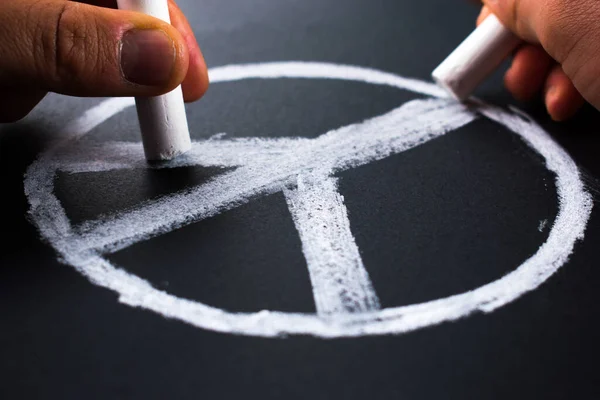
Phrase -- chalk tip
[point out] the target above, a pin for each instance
(168, 154)
(449, 87)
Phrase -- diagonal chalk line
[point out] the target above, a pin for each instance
(399, 130)
(208, 153)
(339, 279)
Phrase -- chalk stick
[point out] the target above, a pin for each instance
(475, 58)
(163, 121)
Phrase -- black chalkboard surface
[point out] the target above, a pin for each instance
(338, 231)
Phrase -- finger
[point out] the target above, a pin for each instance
(82, 50)
(15, 105)
(561, 27)
(527, 74)
(196, 82)
(561, 98)
(485, 12)
(523, 17)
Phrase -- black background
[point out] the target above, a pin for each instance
(437, 220)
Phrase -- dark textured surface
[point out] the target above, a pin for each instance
(448, 216)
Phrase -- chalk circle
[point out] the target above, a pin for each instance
(575, 207)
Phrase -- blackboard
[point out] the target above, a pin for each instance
(444, 217)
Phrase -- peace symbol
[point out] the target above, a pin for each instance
(303, 169)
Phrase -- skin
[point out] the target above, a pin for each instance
(560, 58)
(69, 47)
(72, 48)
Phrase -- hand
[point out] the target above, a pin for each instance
(562, 56)
(92, 50)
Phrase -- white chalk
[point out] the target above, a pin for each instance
(304, 169)
(475, 58)
(163, 121)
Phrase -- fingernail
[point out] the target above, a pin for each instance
(147, 57)
(550, 92)
(550, 100)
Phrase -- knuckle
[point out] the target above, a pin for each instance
(73, 45)
(513, 11)
(69, 48)
(565, 28)
(514, 16)
(510, 13)
(571, 38)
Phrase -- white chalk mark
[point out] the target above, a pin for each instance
(542, 225)
(316, 70)
(393, 133)
(45, 208)
(87, 122)
(339, 279)
(218, 136)
(220, 153)
(399, 130)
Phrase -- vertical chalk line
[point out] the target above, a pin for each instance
(339, 279)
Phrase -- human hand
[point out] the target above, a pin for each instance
(561, 58)
(92, 50)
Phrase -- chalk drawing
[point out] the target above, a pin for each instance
(304, 170)
(339, 279)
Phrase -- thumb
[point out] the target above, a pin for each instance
(81, 50)
(567, 30)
